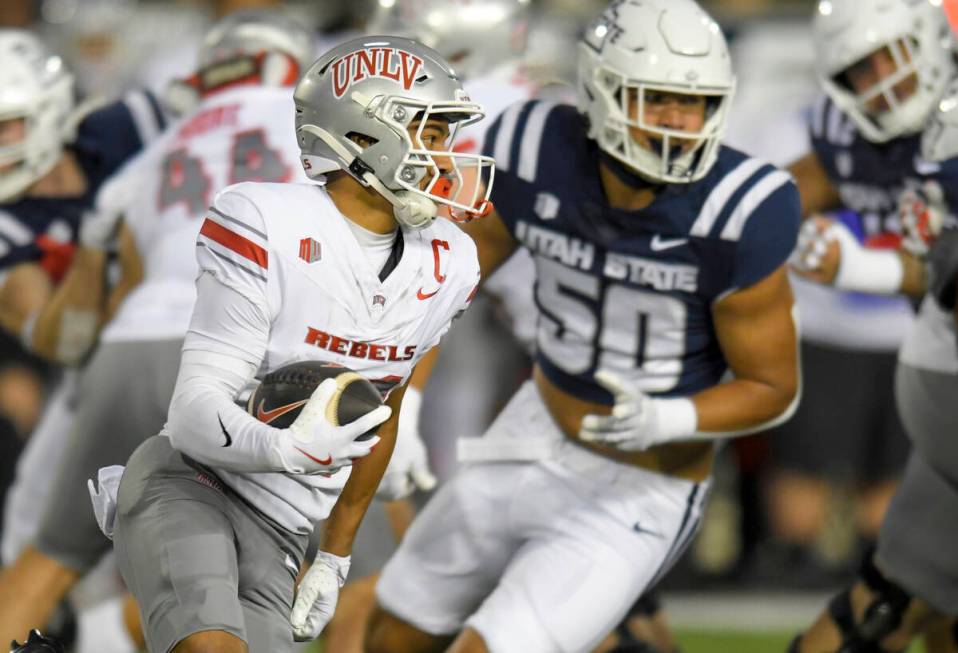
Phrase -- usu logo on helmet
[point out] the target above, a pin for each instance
(385, 63)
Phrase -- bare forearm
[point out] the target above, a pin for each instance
(742, 405)
(25, 290)
(63, 327)
(914, 278)
(339, 530)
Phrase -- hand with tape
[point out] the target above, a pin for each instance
(638, 421)
(922, 213)
(317, 595)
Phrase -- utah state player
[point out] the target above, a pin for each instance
(907, 116)
(660, 261)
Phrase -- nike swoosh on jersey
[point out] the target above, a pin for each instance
(268, 416)
(322, 461)
(229, 440)
(637, 527)
(420, 295)
(659, 243)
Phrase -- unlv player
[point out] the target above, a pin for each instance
(660, 263)
(241, 130)
(352, 270)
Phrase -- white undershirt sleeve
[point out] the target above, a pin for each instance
(223, 349)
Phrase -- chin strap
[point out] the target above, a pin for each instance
(411, 210)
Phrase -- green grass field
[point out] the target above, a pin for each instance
(727, 641)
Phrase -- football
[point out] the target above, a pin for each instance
(283, 393)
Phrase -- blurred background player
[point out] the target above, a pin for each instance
(883, 67)
(484, 42)
(55, 159)
(660, 263)
(910, 585)
(379, 147)
(241, 130)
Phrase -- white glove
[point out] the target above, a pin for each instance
(311, 445)
(862, 269)
(317, 595)
(638, 421)
(922, 212)
(104, 499)
(408, 468)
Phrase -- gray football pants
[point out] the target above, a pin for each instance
(197, 557)
(122, 399)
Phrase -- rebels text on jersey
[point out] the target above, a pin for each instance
(870, 176)
(631, 291)
(288, 250)
(32, 228)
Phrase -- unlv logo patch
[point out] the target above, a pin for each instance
(310, 250)
(386, 63)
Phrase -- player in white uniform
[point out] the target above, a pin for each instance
(241, 130)
(353, 271)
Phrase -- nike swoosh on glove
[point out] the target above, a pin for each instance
(312, 445)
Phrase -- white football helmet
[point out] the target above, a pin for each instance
(917, 36)
(34, 87)
(639, 46)
(473, 36)
(371, 89)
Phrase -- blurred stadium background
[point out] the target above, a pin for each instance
(740, 588)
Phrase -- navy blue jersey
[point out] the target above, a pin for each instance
(105, 139)
(631, 291)
(870, 176)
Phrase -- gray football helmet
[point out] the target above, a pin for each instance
(639, 46)
(35, 87)
(372, 89)
(474, 36)
(917, 36)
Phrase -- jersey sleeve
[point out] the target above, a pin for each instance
(232, 245)
(118, 130)
(515, 140)
(765, 224)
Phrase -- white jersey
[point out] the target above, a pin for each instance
(288, 250)
(930, 344)
(243, 134)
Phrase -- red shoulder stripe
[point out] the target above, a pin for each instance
(232, 240)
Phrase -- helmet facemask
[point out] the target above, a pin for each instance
(396, 162)
(667, 154)
(43, 122)
(891, 105)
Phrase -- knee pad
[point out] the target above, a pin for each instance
(882, 616)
